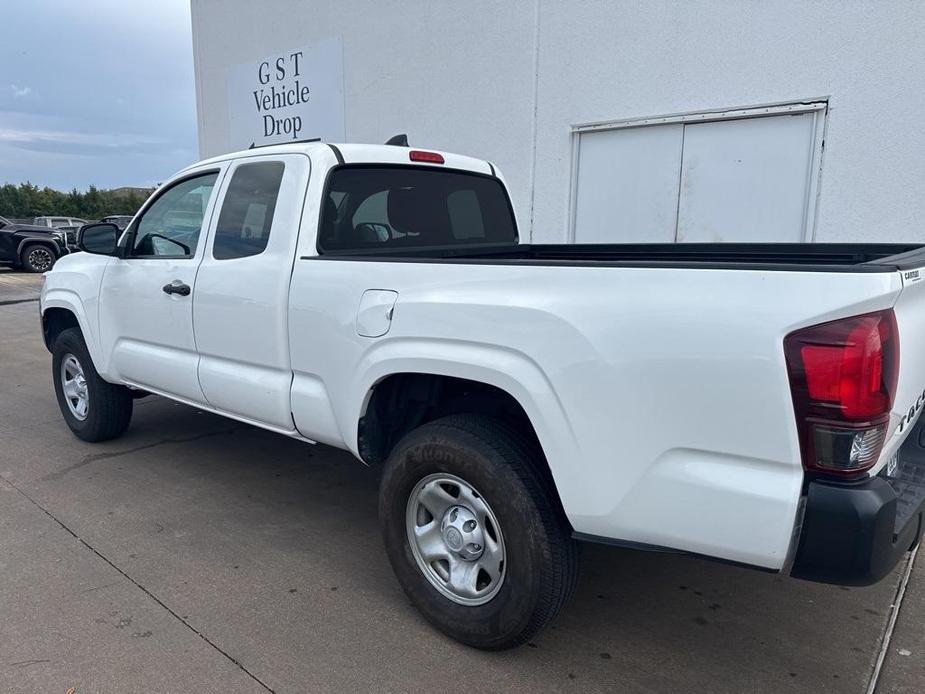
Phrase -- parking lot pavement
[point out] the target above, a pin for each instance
(18, 286)
(904, 670)
(200, 554)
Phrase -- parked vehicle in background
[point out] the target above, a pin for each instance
(29, 247)
(753, 403)
(70, 226)
(56, 222)
(120, 220)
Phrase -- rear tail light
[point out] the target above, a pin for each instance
(428, 157)
(843, 381)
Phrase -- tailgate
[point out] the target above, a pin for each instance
(910, 389)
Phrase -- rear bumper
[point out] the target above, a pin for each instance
(854, 533)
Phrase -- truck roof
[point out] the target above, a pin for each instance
(355, 153)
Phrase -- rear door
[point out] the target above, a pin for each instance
(240, 306)
(146, 302)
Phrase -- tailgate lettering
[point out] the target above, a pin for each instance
(910, 415)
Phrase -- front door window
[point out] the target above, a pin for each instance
(170, 227)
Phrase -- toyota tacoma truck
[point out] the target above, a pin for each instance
(757, 404)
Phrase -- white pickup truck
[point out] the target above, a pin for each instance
(756, 404)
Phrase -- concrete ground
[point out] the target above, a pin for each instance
(196, 554)
(18, 286)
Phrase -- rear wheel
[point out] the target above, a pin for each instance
(94, 409)
(473, 532)
(37, 257)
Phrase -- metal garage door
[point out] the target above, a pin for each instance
(706, 178)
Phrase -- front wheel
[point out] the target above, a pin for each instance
(37, 257)
(473, 532)
(94, 409)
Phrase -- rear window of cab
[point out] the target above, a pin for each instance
(370, 208)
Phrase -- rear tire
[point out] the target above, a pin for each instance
(37, 257)
(94, 409)
(488, 464)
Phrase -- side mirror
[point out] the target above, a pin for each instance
(98, 238)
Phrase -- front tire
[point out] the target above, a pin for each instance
(473, 531)
(94, 409)
(37, 257)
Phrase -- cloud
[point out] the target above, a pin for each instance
(109, 140)
(65, 142)
(123, 112)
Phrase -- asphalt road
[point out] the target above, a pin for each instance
(196, 554)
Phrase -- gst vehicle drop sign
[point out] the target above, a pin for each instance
(294, 94)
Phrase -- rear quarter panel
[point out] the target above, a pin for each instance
(660, 395)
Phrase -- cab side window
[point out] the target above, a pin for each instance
(247, 212)
(170, 227)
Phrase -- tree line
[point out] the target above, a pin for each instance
(28, 200)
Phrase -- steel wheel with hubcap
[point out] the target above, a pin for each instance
(74, 385)
(456, 539)
(94, 409)
(474, 532)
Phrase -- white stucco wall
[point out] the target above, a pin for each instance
(454, 76)
(506, 81)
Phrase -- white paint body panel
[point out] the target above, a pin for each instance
(153, 348)
(662, 422)
(660, 395)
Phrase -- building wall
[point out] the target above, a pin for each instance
(454, 76)
(507, 81)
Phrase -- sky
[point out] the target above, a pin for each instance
(95, 92)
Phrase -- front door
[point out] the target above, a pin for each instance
(146, 302)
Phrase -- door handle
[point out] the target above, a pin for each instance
(177, 287)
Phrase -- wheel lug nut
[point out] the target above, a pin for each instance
(469, 526)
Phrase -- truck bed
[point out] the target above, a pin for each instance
(817, 257)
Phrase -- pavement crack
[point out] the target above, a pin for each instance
(105, 585)
(96, 457)
(138, 585)
(27, 663)
(10, 302)
(891, 622)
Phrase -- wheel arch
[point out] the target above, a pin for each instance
(501, 383)
(401, 402)
(55, 249)
(61, 310)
